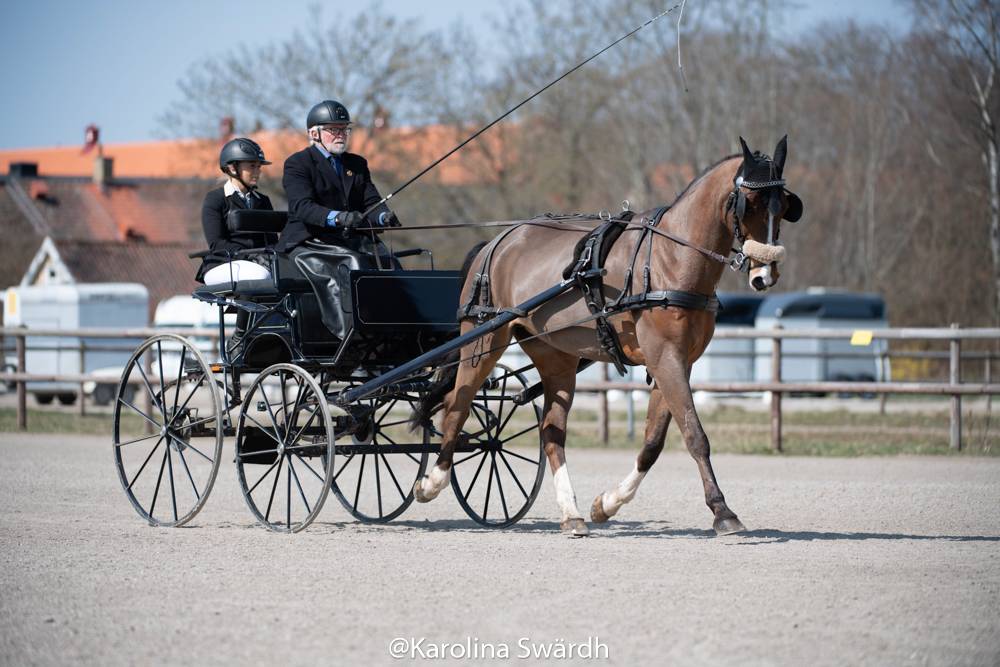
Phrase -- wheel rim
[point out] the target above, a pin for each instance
(168, 431)
(498, 482)
(377, 487)
(284, 448)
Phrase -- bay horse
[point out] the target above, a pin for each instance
(741, 197)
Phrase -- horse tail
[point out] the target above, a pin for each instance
(444, 380)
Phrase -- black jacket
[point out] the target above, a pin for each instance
(314, 189)
(213, 221)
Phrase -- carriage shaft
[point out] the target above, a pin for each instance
(505, 317)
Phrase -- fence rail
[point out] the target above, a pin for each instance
(776, 387)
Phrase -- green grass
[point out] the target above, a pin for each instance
(730, 430)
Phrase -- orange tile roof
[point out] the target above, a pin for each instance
(403, 151)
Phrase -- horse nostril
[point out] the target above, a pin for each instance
(758, 283)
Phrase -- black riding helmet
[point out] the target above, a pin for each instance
(327, 112)
(240, 150)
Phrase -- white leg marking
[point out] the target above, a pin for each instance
(612, 501)
(564, 494)
(433, 483)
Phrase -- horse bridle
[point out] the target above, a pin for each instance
(736, 204)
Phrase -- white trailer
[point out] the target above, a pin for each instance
(817, 359)
(730, 359)
(83, 306)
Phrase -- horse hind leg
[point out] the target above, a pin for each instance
(477, 361)
(607, 504)
(558, 373)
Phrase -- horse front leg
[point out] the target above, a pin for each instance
(607, 504)
(671, 377)
(474, 368)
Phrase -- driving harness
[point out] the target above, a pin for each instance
(587, 271)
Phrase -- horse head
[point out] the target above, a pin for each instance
(756, 205)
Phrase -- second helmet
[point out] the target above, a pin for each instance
(327, 112)
(241, 150)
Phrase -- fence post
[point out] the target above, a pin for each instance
(776, 395)
(22, 387)
(883, 359)
(79, 393)
(955, 377)
(602, 407)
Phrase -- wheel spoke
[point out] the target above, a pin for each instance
(361, 474)
(306, 425)
(131, 442)
(199, 422)
(524, 458)
(266, 473)
(395, 423)
(503, 392)
(306, 464)
(378, 486)
(244, 455)
(520, 433)
(190, 477)
(274, 487)
(344, 465)
(170, 471)
(503, 499)
(192, 447)
(475, 477)
(288, 493)
(188, 400)
(486, 429)
(263, 428)
(180, 374)
(144, 415)
(506, 420)
(391, 405)
(393, 476)
(463, 460)
(299, 485)
(149, 388)
(511, 471)
(156, 491)
(142, 467)
(489, 484)
(163, 383)
(270, 411)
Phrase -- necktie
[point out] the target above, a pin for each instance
(337, 166)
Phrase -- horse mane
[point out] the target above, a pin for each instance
(700, 176)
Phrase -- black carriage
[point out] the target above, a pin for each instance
(319, 401)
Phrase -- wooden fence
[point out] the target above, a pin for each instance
(776, 387)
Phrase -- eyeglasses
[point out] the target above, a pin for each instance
(336, 131)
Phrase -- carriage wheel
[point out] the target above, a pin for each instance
(497, 483)
(284, 448)
(377, 487)
(168, 430)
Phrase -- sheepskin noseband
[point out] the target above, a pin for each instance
(764, 253)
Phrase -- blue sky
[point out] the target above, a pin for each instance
(116, 63)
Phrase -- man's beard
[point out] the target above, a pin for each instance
(337, 149)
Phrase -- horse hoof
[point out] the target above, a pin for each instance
(597, 514)
(575, 528)
(418, 492)
(728, 526)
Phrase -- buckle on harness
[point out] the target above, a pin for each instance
(739, 262)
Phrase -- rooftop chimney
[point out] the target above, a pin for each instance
(103, 170)
(23, 170)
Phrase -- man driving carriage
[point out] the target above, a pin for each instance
(327, 187)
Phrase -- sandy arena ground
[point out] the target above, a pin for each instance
(847, 562)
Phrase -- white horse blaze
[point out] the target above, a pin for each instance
(564, 494)
(612, 501)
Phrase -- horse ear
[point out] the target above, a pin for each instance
(780, 152)
(747, 154)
